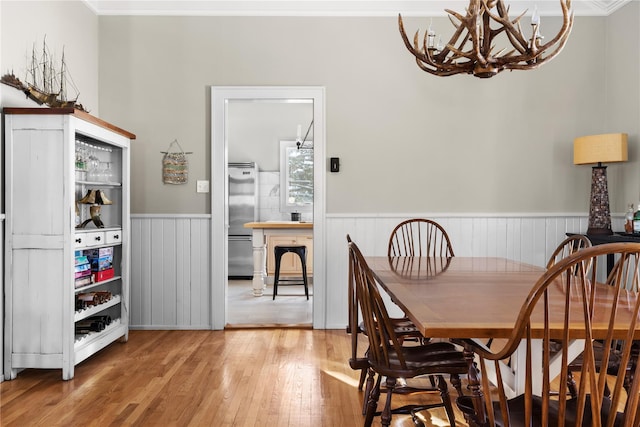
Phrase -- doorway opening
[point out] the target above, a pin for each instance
(249, 125)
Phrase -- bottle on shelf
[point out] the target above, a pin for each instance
(636, 221)
(628, 219)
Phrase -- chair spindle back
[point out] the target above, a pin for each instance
(566, 295)
(419, 237)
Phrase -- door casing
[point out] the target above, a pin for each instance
(220, 95)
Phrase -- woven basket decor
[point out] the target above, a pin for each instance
(175, 166)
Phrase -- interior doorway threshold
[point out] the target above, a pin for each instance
(269, 326)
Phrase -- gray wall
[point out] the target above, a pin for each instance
(408, 141)
(622, 109)
(460, 144)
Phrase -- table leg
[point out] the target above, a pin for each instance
(259, 263)
(519, 363)
(475, 388)
(610, 263)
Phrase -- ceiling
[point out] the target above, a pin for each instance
(332, 7)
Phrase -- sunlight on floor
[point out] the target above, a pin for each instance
(343, 377)
(430, 420)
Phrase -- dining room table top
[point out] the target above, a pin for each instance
(478, 297)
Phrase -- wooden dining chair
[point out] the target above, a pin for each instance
(567, 247)
(566, 289)
(422, 238)
(625, 275)
(389, 358)
(419, 237)
(358, 361)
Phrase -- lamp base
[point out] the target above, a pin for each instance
(599, 215)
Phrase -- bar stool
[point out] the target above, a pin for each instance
(301, 251)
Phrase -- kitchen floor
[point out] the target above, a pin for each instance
(289, 309)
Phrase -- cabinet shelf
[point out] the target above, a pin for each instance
(83, 339)
(100, 184)
(92, 311)
(106, 228)
(87, 344)
(96, 284)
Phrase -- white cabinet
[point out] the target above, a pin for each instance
(56, 313)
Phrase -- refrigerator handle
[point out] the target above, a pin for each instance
(240, 237)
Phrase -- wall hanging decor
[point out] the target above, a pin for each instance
(175, 166)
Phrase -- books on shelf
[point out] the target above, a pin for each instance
(93, 265)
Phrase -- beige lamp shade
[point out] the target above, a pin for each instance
(605, 148)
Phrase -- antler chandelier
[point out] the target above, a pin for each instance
(470, 49)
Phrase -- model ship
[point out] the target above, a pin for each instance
(46, 83)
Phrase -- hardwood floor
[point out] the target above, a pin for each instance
(251, 377)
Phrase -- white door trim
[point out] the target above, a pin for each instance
(219, 185)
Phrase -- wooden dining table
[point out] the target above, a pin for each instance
(457, 297)
(476, 298)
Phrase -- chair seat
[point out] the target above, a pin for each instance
(291, 248)
(402, 326)
(516, 411)
(598, 351)
(424, 359)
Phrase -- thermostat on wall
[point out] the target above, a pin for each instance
(335, 164)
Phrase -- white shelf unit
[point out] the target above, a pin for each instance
(42, 239)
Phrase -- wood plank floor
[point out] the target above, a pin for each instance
(253, 377)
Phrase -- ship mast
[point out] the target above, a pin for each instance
(63, 88)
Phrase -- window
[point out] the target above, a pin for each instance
(296, 177)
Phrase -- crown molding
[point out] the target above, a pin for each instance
(331, 7)
(610, 6)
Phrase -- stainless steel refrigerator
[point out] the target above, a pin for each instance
(243, 208)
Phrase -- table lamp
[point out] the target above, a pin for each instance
(605, 148)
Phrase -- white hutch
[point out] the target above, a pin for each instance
(56, 313)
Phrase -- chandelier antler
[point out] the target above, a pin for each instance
(479, 58)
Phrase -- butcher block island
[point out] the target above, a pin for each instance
(268, 234)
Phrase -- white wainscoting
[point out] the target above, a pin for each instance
(170, 272)
(521, 237)
(170, 277)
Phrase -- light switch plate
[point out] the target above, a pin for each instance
(202, 186)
